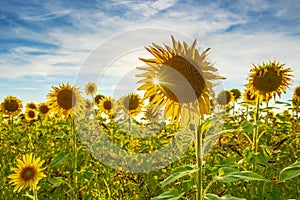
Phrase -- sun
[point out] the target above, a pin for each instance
(179, 79)
(91, 88)
(132, 104)
(268, 80)
(66, 100)
(11, 106)
(27, 173)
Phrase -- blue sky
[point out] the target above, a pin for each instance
(45, 43)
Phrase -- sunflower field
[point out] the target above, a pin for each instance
(176, 137)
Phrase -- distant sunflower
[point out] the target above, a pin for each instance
(107, 105)
(98, 97)
(27, 173)
(88, 105)
(296, 95)
(268, 80)
(31, 105)
(30, 114)
(65, 100)
(179, 79)
(248, 96)
(11, 106)
(43, 109)
(132, 103)
(224, 98)
(91, 88)
(236, 94)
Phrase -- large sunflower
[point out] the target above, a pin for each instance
(11, 106)
(66, 100)
(91, 88)
(27, 173)
(131, 103)
(268, 80)
(107, 105)
(179, 78)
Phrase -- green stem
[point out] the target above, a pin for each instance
(35, 193)
(75, 178)
(199, 159)
(255, 133)
(208, 186)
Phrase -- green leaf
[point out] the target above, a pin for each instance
(61, 157)
(56, 181)
(178, 173)
(172, 194)
(289, 172)
(241, 176)
(247, 126)
(210, 196)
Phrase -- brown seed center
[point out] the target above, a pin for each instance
(269, 82)
(66, 99)
(31, 114)
(11, 105)
(131, 102)
(298, 91)
(91, 89)
(181, 81)
(107, 105)
(44, 109)
(28, 173)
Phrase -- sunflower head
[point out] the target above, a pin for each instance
(268, 80)
(224, 98)
(65, 100)
(296, 96)
(248, 96)
(43, 109)
(131, 103)
(107, 105)
(236, 94)
(179, 79)
(31, 105)
(88, 105)
(27, 173)
(91, 88)
(31, 114)
(11, 106)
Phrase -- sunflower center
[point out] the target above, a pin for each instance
(180, 81)
(91, 89)
(224, 98)
(268, 82)
(44, 109)
(131, 103)
(28, 173)
(11, 106)
(31, 114)
(298, 91)
(66, 99)
(107, 105)
(98, 98)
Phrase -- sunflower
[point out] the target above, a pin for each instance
(249, 96)
(88, 105)
(107, 105)
(131, 103)
(152, 114)
(65, 100)
(224, 98)
(31, 105)
(27, 173)
(179, 78)
(236, 94)
(30, 114)
(296, 95)
(11, 106)
(98, 97)
(269, 79)
(43, 109)
(91, 88)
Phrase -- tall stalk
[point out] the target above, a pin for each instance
(75, 178)
(199, 160)
(255, 133)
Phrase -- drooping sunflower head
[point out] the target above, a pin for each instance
(296, 96)
(179, 78)
(97, 98)
(27, 173)
(249, 96)
(11, 106)
(268, 80)
(131, 103)
(224, 98)
(31, 105)
(65, 100)
(31, 114)
(107, 105)
(91, 88)
(43, 109)
(236, 94)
